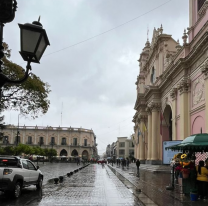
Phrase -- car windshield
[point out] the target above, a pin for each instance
(4, 162)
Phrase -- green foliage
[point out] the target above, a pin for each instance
(27, 150)
(1, 151)
(9, 150)
(30, 97)
(52, 152)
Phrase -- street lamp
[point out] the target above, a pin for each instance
(34, 41)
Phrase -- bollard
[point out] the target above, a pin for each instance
(61, 178)
(56, 180)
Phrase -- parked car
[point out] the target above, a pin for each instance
(17, 173)
(101, 161)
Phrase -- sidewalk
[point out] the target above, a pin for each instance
(153, 184)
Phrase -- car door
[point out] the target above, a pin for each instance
(25, 172)
(34, 174)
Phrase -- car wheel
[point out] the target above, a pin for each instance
(40, 183)
(17, 190)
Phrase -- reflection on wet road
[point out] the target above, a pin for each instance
(92, 185)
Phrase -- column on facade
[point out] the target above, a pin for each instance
(137, 139)
(204, 70)
(143, 137)
(173, 95)
(155, 107)
(58, 143)
(135, 143)
(184, 109)
(149, 139)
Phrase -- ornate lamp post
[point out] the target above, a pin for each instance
(34, 41)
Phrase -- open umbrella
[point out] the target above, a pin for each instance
(194, 143)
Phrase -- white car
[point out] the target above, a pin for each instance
(17, 173)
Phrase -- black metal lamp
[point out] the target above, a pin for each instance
(34, 41)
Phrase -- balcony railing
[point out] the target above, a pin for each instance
(63, 143)
(6, 142)
(86, 145)
(40, 143)
(52, 143)
(76, 145)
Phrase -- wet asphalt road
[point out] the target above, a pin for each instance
(93, 185)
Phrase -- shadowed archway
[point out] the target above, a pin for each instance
(63, 152)
(74, 153)
(85, 155)
(167, 123)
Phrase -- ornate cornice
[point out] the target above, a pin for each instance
(202, 11)
(155, 106)
(184, 85)
(148, 110)
(173, 93)
(143, 118)
(204, 69)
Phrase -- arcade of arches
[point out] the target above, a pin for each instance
(84, 154)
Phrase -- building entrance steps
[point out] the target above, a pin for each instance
(153, 185)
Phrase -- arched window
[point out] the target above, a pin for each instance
(53, 140)
(152, 76)
(41, 141)
(5, 140)
(75, 141)
(63, 142)
(200, 4)
(29, 140)
(85, 142)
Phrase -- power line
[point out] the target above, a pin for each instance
(83, 41)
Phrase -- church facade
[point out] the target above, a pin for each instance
(171, 99)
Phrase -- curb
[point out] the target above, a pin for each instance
(142, 202)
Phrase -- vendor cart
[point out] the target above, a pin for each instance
(196, 146)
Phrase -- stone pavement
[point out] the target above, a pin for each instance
(153, 186)
(93, 185)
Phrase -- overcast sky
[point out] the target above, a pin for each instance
(93, 78)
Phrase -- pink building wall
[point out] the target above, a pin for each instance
(178, 130)
(198, 122)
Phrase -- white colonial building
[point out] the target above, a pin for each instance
(67, 141)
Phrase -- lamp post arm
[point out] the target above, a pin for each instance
(4, 79)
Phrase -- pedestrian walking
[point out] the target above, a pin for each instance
(119, 162)
(122, 164)
(202, 180)
(137, 165)
(127, 163)
(78, 161)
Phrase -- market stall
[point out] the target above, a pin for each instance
(191, 150)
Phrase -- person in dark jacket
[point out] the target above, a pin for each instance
(127, 163)
(202, 180)
(137, 165)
